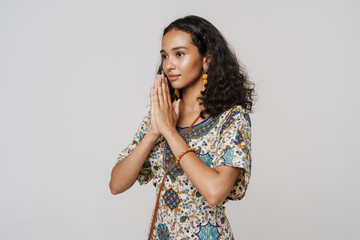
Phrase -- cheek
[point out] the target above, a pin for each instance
(190, 65)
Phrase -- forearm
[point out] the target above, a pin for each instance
(125, 173)
(204, 178)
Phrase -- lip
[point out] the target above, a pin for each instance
(173, 77)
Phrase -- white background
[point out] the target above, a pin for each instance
(75, 78)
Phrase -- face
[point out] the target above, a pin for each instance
(182, 63)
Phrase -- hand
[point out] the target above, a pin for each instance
(154, 129)
(164, 112)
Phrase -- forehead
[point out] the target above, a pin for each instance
(175, 38)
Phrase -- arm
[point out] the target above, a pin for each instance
(124, 173)
(213, 184)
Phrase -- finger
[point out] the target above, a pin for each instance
(177, 107)
(167, 92)
(151, 106)
(152, 101)
(155, 84)
(155, 98)
(160, 91)
(164, 91)
(155, 87)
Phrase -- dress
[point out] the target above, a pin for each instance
(183, 212)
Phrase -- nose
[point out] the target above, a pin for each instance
(168, 65)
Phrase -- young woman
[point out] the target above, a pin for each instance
(195, 142)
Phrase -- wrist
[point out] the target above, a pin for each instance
(170, 133)
(153, 135)
(182, 154)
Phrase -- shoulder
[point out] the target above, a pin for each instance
(147, 117)
(144, 125)
(233, 118)
(237, 112)
(241, 114)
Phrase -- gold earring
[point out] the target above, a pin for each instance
(177, 93)
(205, 76)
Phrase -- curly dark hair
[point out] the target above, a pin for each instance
(228, 83)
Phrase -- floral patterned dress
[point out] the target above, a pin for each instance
(183, 212)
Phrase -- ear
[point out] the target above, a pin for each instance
(206, 61)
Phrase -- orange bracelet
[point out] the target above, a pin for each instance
(183, 153)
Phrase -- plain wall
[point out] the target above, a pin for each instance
(75, 79)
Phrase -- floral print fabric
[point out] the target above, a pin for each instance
(183, 213)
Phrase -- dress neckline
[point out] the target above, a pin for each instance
(195, 125)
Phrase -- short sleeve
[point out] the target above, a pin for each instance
(145, 174)
(234, 149)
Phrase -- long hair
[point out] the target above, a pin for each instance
(227, 83)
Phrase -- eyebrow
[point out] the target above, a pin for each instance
(176, 48)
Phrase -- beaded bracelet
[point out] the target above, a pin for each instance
(183, 153)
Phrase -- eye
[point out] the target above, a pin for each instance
(179, 53)
(163, 56)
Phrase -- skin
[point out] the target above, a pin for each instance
(180, 57)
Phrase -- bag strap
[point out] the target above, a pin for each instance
(162, 184)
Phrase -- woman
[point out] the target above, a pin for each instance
(200, 106)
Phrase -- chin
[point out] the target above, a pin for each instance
(176, 85)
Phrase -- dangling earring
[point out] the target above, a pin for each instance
(177, 93)
(205, 76)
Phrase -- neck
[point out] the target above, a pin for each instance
(189, 102)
